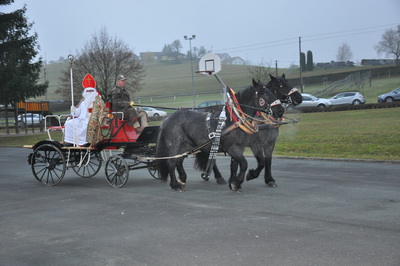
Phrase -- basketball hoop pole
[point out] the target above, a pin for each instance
(212, 73)
(222, 84)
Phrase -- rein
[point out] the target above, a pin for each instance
(277, 123)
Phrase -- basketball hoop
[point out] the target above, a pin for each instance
(206, 72)
(209, 64)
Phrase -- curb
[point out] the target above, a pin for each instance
(336, 159)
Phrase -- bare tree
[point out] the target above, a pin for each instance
(197, 52)
(344, 53)
(390, 43)
(261, 72)
(104, 58)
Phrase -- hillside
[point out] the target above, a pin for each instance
(171, 85)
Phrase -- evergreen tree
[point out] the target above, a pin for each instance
(18, 73)
(303, 61)
(310, 63)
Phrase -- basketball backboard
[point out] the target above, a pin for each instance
(209, 64)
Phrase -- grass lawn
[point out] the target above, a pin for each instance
(363, 134)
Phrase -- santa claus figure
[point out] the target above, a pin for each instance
(76, 126)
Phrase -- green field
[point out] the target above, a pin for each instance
(364, 134)
(165, 83)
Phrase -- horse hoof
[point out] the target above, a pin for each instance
(205, 177)
(179, 189)
(235, 188)
(272, 184)
(181, 183)
(250, 175)
(221, 181)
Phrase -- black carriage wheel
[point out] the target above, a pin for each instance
(48, 164)
(117, 171)
(153, 170)
(87, 164)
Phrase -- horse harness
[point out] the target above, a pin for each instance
(242, 120)
(288, 98)
(246, 123)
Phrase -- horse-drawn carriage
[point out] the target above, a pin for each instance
(162, 150)
(51, 158)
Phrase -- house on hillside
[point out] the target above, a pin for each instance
(150, 57)
(334, 64)
(224, 57)
(376, 62)
(228, 60)
(236, 61)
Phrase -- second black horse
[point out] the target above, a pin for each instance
(185, 130)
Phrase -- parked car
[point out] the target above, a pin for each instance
(354, 98)
(312, 101)
(152, 112)
(389, 97)
(210, 103)
(30, 118)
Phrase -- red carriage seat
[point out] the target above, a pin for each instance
(120, 131)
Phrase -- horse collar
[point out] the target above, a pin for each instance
(238, 116)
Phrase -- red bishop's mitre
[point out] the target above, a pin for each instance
(88, 81)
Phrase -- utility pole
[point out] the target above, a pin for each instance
(276, 68)
(301, 77)
(45, 79)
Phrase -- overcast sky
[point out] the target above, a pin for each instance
(255, 30)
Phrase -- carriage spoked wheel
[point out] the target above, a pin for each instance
(153, 170)
(117, 171)
(86, 164)
(48, 164)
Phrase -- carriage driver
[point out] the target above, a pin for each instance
(120, 102)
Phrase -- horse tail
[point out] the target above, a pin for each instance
(201, 160)
(162, 164)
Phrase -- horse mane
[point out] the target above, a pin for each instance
(272, 88)
(245, 95)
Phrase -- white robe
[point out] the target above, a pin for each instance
(76, 127)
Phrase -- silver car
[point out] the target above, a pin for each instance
(389, 97)
(153, 112)
(30, 119)
(210, 103)
(312, 101)
(354, 98)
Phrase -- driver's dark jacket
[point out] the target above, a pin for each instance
(120, 99)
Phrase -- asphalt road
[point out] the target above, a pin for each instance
(322, 213)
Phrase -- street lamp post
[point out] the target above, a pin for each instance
(191, 64)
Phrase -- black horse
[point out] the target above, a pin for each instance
(263, 143)
(185, 131)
